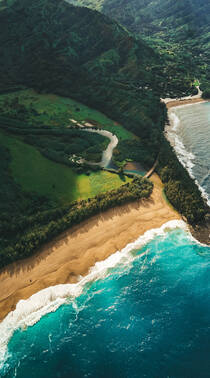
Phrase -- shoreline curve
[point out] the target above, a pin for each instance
(72, 254)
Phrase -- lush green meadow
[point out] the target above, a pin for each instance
(53, 110)
(35, 173)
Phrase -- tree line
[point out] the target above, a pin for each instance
(180, 189)
(26, 234)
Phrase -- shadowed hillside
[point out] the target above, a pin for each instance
(180, 30)
(55, 48)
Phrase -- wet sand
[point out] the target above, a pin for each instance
(172, 103)
(74, 252)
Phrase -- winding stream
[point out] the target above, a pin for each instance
(108, 152)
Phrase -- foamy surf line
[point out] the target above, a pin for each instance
(185, 157)
(30, 311)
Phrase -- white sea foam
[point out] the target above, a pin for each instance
(28, 312)
(203, 192)
(185, 157)
(202, 189)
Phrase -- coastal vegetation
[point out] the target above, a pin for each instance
(179, 187)
(27, 171)
(22, 235)
(54, 125)
(97, 263)
(63, 65)
(121, 76)
(206, 92)
(52, 110)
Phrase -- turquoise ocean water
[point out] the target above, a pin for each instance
(143, 312)
(147, 315)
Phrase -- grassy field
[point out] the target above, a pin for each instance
(57, 111)
(35, 173)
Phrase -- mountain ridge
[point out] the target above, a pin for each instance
(180, 28)
(59, 49)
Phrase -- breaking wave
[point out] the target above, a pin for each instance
(29, 312)
(186, 157)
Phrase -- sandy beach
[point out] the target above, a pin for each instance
(172, 103)
(74, 252)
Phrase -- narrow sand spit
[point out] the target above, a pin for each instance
(74, 252)
(171, 104)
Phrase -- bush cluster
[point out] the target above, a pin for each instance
(24, 235)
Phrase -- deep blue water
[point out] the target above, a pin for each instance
(149, 317)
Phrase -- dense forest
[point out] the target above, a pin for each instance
(57, 48)
(99, 63)
(179, 30)
(167, 19)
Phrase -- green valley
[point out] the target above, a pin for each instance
(65, 69)
(34, 173)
